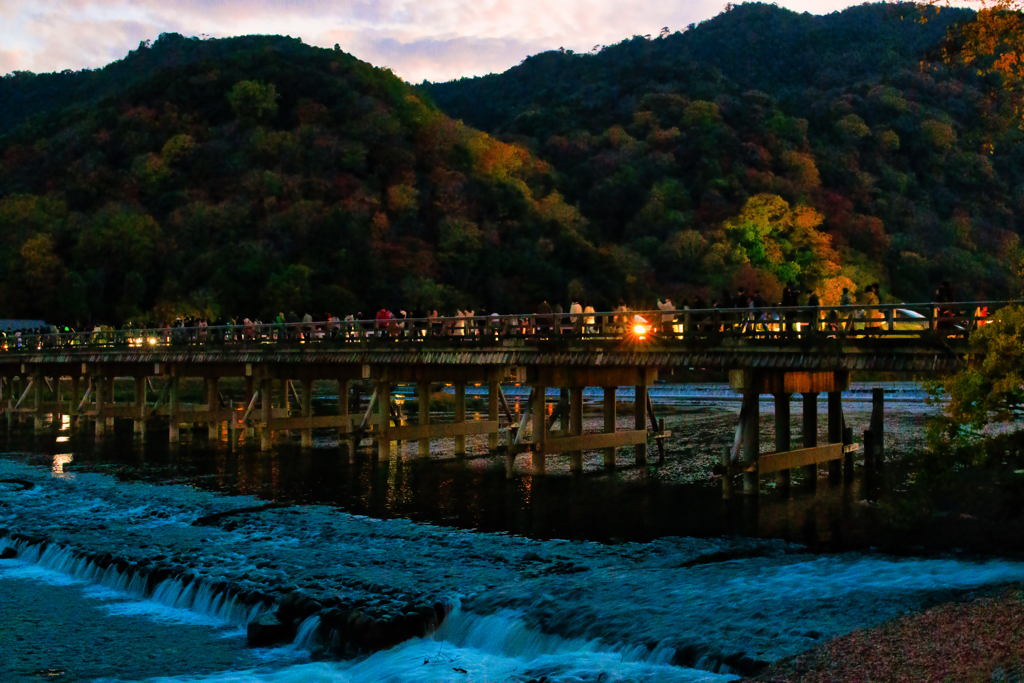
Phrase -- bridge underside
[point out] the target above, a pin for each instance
(278, 381)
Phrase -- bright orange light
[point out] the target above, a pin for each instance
(640, 330)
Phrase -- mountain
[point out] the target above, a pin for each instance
(256, 175)
(765, 145)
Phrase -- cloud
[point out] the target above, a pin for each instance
(437, 59)
(433, 39)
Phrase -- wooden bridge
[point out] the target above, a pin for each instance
(773, 351)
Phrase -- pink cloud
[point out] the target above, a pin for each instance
(433, 39)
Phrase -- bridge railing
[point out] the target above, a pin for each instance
(774, 324)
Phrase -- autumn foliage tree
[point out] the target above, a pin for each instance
(993, 43)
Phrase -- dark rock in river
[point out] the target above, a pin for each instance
(267, 629)
(8, 553)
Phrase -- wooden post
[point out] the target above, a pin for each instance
(751, 440)
(345, 441)
(848, 457)
(423, 415)
(563, 407)
(76, 388)
(878, 425)
(110, 399)
(140, 407)
(250, 390)
(492, 413)
(835, 431)
(540, 430)
(640, 422)
(172, 409)
(100, 385)
(285, 400)
(57, 416)
(212, 407)
(383, 420)
(609, 423)
(810, 433)
(576, 426)
(726, 477)
(460, 418)
(15, 393)
(782, 437)
(869, 452)
(266, 410)
(38, 423)
(307, 411)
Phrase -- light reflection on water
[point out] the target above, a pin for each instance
(679, 497)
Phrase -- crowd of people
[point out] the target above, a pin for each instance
(744, 312)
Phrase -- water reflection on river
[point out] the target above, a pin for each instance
(678, 497)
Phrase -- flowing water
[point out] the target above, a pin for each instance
(643, 574)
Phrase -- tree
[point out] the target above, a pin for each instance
(784, 241)
(253, 101)
(993, 43)
(991, 387)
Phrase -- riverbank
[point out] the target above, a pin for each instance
(978, 640)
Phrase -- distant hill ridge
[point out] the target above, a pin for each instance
(673, 148)
(254, 176)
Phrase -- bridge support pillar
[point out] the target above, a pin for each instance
(383, 421)
(609, 423)
(423, 416)
(140, 407)
(266, 411)
(15, 395)
(173, 405)
(39, 417)
(460, 418)
(835, 431)
(563, 411)
(576, 426)
(250, 390)
(782, 436)
(100, 389)
(58, 412)
(213, 406)
(110, 399)
(285, 399)
(540, 430)
(307, 411)
(810, 433)
(345, 441)
(492, 413)
(750, 439)
(640, 422)
(878, 426)
(76, 396)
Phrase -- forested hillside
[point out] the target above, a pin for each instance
(254, 175)
(257, 175)
(764, 145)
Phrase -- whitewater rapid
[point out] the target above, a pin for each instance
(675, 609)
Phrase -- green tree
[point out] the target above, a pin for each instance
(253, 101)
(990, 388)
(782, 240)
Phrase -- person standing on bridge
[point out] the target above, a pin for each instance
(576, 317)
(543, 317)
(872, 315)
(668, 314)
(589, 319)
(814, 315)
(790, 299)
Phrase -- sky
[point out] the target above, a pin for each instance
(436, 40)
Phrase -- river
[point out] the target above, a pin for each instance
(643, 574)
